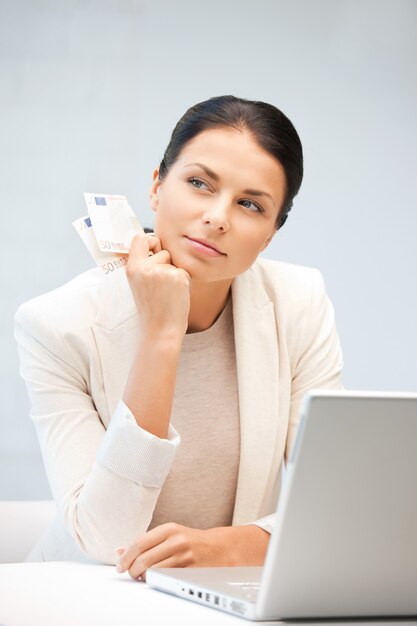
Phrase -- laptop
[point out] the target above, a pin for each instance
(345, 543)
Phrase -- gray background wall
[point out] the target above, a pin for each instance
(90, 91)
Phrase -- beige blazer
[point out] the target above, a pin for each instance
(76, 346)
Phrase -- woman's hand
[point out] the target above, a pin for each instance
(162, 297)
(173, 545)
(161, 291)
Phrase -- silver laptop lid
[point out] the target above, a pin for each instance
(346, 540)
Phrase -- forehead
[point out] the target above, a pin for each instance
(234, 153)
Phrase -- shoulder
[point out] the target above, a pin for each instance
(296, 292)
(73, 304)
(56, 326)
(304, 313)
(286, 280)
(68, 314)
(65, 318)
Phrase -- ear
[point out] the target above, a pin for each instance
(154, 191)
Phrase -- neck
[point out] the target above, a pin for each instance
(206, 304)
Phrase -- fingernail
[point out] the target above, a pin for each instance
(120, 550)
(119, 569)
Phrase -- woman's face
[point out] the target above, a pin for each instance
(225, 191)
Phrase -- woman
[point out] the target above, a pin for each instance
(200, 339)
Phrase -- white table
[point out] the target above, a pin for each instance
(74, 594)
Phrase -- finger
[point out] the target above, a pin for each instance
(145, 543)
(135, 550)
(154, 243)
(139, 247)
(175, 560)
(185, 273)
(136, 260)
(172, 561)
(163, 256)
(148, 559)
(169, 550)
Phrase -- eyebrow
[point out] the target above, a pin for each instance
(216, 177)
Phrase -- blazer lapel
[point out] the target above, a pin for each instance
(258, 375)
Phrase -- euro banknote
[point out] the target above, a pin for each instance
(108, 229)
(108, 262)
(113, 220)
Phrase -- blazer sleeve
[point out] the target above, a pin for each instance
(105, 482)
(316, 357)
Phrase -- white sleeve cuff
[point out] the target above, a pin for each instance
(132, 452)
(266, 523)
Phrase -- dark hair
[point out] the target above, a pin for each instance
(271, 129)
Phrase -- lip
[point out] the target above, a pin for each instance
(205, 244)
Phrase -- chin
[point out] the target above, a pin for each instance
(196, 268)
(193, 268)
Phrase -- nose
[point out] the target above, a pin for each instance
(217, 216)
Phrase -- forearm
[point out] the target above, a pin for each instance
(119, 495)
(107, 495)
(109, 512)
(150, 386)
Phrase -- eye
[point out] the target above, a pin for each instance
(257, 209)
(197, 182)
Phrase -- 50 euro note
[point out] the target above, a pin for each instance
(113, 220)
(108, 230)
(107, 262)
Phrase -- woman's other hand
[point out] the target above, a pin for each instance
(173, 545)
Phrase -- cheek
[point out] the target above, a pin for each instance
(253, 242)
(164, 215)
(168, 224)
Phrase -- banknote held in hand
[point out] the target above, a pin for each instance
(108, 229)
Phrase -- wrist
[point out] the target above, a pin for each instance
(240, 545)
(160, 340)
(250, 545)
